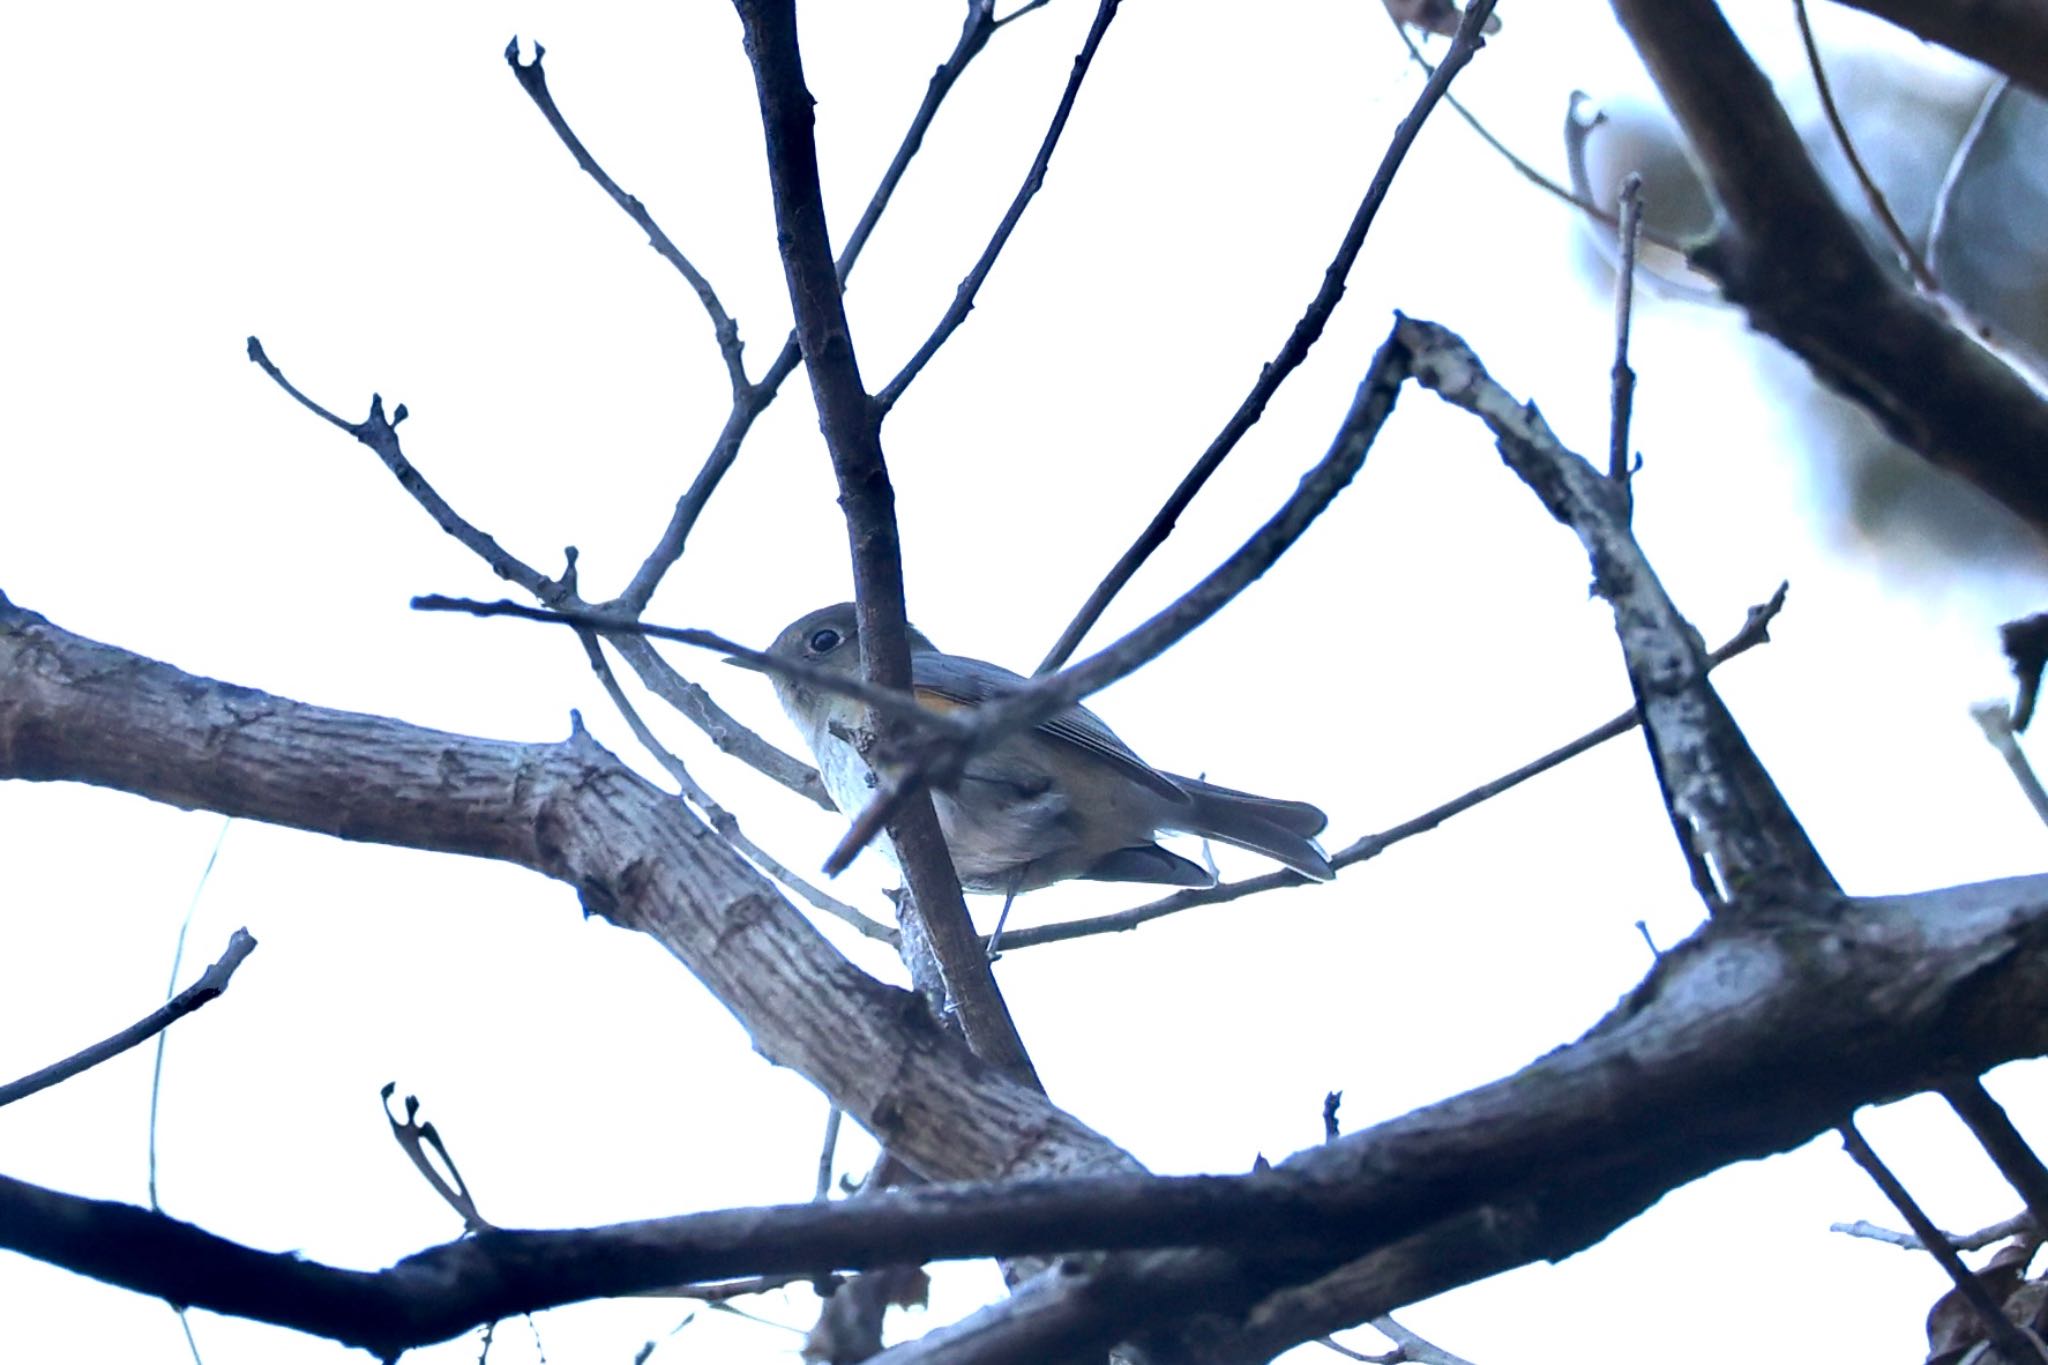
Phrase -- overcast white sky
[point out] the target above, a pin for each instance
(366, 189)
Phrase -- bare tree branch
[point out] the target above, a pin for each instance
(1880, 207)
(963, 297)
(1621, 378)
(75, 710)
(1760, 1035)
(1997, 724)
(1307, 331)
(1961, 1241)
(2013, 1344)
(716, 815)
(979, 26)
(534, 81)
(2002, 1142)
(1755, 631)
(381, 435)
(1727, 813)
(1790, 256)
(2006, 35)
(211, 983)
(851, 423)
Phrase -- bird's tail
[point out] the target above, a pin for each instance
(1282, 830)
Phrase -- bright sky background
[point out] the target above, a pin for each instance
(367, 190)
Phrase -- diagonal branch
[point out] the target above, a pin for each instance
(534, 81)
(1048, 694)
(1755, 631)
(210, 985)
(1307, 331)
(979, 26)
(963, 296)
(1729, 817)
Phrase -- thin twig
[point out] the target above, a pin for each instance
(210, 984)
(716, 815)
(2011, 1341)
(156, 1069)
(1292, 352)
(534, 81)
(1622, 380)
(1755, 631)
(1527, 171)
(1412, 1348)
(979, 26)
(963, 296)
(827, 1151)
(1995, 719)
(1961, 1241)
(1908, 255)
(898, 704)
(381, 436)
(415, 1138)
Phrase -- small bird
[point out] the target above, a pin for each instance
(1067, 799)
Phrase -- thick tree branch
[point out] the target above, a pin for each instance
(2006, 35)
(1747, 1039)
(1789, 255)
(1727, 813)
(75, 710)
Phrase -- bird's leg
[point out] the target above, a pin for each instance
(1009, 897)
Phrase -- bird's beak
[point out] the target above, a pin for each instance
(747, 664)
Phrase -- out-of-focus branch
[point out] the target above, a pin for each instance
(1880, 207)
(2006, 35)
(1789, 255)
(2013, 1344)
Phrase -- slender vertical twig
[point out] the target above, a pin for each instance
(1623, 379)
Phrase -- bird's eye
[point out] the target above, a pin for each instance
(824, 641)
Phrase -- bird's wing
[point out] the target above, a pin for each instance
(971, 682)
